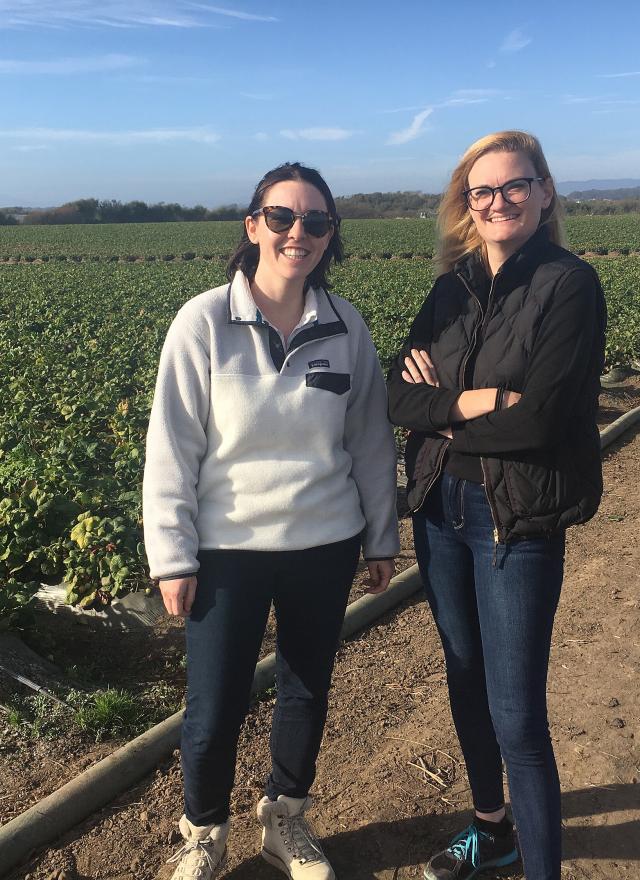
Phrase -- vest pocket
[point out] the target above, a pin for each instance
(339, 383)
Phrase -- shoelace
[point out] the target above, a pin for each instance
(296, 831)
(198, 855)
(466, 846)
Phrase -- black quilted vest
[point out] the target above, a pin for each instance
(537, 492)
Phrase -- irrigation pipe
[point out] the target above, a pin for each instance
(615, 429)
(100, 784)
(34, 686)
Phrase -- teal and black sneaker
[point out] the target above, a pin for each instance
(471, 852)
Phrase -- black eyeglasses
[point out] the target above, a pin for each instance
(479, 198)
(279, 219)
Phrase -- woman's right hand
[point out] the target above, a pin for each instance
(178, 595)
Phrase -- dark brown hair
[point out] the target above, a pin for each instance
(246, 255)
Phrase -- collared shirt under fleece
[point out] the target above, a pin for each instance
(241, 455)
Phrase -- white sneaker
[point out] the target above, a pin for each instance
(287, 841)
(203, 854)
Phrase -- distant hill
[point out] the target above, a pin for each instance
(573, 188)
(614, 195)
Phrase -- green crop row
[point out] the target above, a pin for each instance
(400, 238)
(112, 239)
(621, 282)
(78, 354)
(602, 233)
(79, 347)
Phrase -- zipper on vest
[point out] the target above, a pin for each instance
(483, 321)
(486, 314)
(494, 515)
(482, 325)
(469, 351)
(435, 476)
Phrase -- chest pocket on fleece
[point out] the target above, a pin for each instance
(339, 383)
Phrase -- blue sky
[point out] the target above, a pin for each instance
(182, 100)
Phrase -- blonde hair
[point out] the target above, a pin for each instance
(457, 234)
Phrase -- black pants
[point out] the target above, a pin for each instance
(309, 590)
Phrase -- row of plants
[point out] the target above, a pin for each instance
(588, 234)
(191, 255)
(109, 258)
(79, 346)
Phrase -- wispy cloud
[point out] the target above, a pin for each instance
(457, 98)
(403, 109)
(515, 41)
(601, 103)
(579, 99)
(65, 66)
(119, 14)
(460, 96)
(453, 102)
(615, 106)
(413, 130)
(317, 134)
(201, 135)
(154, 79)
(261, 136)
(478, 93)
(253, 96)
(30, 148)
(618, 75)
(233, 13)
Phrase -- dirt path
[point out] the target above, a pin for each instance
(379, 810)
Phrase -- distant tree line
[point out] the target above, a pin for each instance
(360, 206)
(391, 204)
(601, 205)
(113, 211)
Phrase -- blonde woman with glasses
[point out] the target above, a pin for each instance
(498, 384)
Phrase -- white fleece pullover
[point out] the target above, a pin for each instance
(243, 456)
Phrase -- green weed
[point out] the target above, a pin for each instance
(107, 714)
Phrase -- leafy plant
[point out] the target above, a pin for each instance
(15, 597)
(106, 714)
(79, 348)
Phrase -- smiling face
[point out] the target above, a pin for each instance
(287, 258)
(503, 227)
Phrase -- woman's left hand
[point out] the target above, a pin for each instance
(420, 368)
(380, 573)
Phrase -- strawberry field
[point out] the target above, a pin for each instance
(211, 240)
(79, 344)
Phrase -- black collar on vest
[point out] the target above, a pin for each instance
(519, 265)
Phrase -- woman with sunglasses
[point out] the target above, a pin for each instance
(498, 384)
(270, 463)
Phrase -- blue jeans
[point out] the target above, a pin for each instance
(494, 608)
(309, 590)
